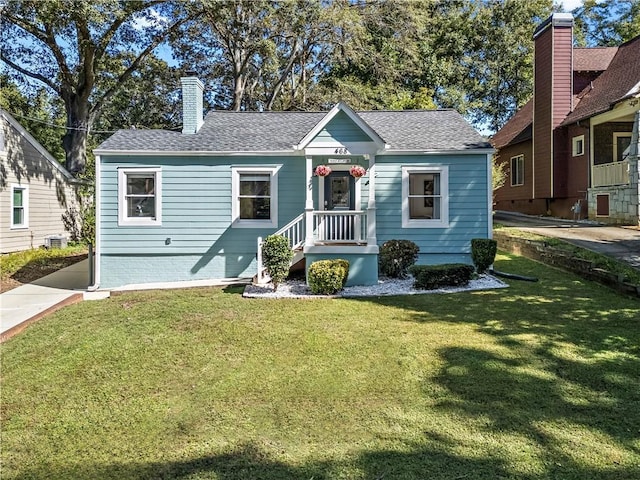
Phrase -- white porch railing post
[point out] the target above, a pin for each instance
(259, 265)
(371, 205)
(308, 205)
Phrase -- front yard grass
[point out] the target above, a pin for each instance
(537, 381)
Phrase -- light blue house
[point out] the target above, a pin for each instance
(193, 205)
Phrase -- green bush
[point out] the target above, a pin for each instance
(483, 253)
(276, 257)
(396, 256)
(326, 277)
(430, 277)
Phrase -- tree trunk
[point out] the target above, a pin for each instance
(74, 140)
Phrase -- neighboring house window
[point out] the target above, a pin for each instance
(140, 196)
(255, 197)
(621, 141)
(517, 170)
(425, 197)
(578, 146)
(19, 206)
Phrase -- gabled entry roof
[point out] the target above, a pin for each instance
(364, 127)
(225, 132)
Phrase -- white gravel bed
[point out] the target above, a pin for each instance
(385, 286)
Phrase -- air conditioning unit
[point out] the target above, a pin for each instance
(55, 241)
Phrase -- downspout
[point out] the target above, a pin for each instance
(97, 248)
(490, 195)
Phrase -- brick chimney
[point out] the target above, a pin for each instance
(552, 94)
(192, 90)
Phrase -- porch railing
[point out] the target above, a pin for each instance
(616, 173)
(329, 227)
(340, 226)
(294, 231)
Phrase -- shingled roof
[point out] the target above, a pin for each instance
(231, 132)
(592, 59)
(621, 80)
(516, 129)
(620, 68)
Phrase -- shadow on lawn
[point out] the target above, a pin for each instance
(249, 462)
(568, 357)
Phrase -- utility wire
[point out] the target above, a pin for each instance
(60, 126)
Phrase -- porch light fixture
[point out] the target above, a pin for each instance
(323, 170)
(357, 171)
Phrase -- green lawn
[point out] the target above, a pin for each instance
(537, 381)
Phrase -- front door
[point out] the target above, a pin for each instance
(339, 191)
(339, 199)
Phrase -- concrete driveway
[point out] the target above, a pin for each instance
(622, 243)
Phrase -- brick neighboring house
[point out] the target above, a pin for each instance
(572, 150)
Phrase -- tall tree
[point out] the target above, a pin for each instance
(377, 65)
(607, 22)
(263, 54)
(39, 113)
(74, 46)
(498, 59)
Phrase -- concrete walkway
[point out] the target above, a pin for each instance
(24, 305)
(622, 243)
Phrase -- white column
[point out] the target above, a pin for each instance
(634, 163)
(371, 205)
(308, 205)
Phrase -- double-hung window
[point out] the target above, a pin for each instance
(425, 197)
(517, 170)
(255, 197)
(140, 196)
(19, 206)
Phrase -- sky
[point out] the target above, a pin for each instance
(568, 5)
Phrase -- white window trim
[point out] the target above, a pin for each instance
(123, 219)
(617, 135)
(574, 146)
(25, 206)
(511, 170)
(441, 222)
(236, 222)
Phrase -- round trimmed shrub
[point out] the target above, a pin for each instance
(276, 257)
(396, 256)
(326, 277)
(483, 253)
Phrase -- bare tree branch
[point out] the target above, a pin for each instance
(35, 76)
(98, 105)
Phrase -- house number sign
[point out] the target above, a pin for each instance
(341, 151)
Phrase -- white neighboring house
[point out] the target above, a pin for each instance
(35, 190)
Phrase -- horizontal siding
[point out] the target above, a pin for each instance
(542, 113)
(506, 193)
(562, 73)
(196, 217)
(467, 205)
(50, 193)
